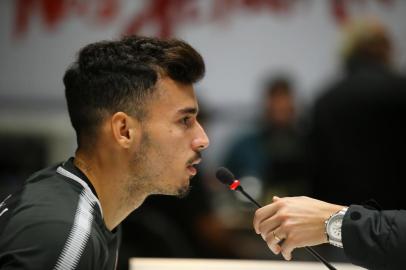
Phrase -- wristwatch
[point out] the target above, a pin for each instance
(333, 227)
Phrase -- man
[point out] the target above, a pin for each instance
(273, 150)
(358, 126)
(370, 238)
(133, 107)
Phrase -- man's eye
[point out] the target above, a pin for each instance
(187, 121)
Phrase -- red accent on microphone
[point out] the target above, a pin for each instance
(235, 185)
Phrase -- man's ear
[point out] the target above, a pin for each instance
(124, 128)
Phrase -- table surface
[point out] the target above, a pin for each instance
(209, 264)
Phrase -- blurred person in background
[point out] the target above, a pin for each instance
(273, 151)
(133, 107)
(358, 131)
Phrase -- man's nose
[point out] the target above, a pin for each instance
(201, 141)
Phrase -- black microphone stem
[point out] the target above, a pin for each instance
(309, 249)
(240, 189)
(320, 258)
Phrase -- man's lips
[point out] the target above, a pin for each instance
(197, 161)
(192, 170)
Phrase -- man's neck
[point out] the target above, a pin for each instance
(106, 177)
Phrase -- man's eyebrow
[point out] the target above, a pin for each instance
(188, 110)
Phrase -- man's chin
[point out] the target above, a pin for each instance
(183, 192)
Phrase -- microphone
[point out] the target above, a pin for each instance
(227, 178)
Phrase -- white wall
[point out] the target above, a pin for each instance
(240, 50)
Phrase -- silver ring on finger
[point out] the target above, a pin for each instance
(276, 237)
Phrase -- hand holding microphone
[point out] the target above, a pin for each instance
(287, 223)
(299, 221)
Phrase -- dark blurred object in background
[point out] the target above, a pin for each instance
(20, 156)
(273, 151)
(358, 130)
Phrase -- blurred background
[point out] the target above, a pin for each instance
(299, 98)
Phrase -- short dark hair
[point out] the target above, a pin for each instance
(112, 76)
(279, 85)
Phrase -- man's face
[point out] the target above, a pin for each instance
(171, 140)
(280, 110)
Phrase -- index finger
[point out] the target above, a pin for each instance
(264, 213)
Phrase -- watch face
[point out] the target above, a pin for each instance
(334, 227)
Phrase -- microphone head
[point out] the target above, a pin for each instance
(225, 176)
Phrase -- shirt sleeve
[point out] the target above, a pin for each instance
(40, 246)
(375, 239)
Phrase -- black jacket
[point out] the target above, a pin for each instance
(375, 239)
(359, 139)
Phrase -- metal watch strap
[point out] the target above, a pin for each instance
(331, 241)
